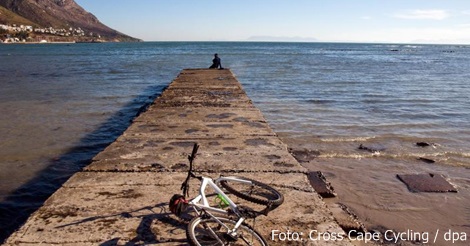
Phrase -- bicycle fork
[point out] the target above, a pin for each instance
(231, 235)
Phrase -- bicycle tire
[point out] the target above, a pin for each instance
(200, 232)
(257, 192)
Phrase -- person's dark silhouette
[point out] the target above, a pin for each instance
(216, 62)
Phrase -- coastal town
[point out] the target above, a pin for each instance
(29, 34)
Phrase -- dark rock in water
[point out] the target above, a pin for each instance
(426, 160)
(426, 183)
(423, 144)
(304, 155)
(321, 186)
(362, 147)
(371, 149)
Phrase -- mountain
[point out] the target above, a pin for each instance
(7, 17)
(60, 14)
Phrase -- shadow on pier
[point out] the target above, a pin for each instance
(144, 234)
(21, 203)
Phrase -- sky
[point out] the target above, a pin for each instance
(385, 21)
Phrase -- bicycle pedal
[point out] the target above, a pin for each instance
(230, 238)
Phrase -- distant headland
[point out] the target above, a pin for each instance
(36, 21)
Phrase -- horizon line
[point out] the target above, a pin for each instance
(300, 41)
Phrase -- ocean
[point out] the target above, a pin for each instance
(60, 104)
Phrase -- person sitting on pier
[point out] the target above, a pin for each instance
(216, 62)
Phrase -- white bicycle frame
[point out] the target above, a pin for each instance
(200, 202)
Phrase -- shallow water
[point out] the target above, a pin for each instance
(61, 104)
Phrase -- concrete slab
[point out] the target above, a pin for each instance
(426, 183)
(156, 114)
(295, 181)
(133, 207)
(215, 154)
(218, 154)
(199, 129)
(122, 197)
(163, 103)
(191, 93)
(346, 219)
(322, 187)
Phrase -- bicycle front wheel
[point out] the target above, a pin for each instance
(214, 231)
(253, 191)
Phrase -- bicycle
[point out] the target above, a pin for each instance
(229, 228)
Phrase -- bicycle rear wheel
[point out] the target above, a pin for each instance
(253, 191)
(210, 232)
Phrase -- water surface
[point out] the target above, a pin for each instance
(61, 104)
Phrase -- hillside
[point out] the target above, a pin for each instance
(58, 14)
(9, 18)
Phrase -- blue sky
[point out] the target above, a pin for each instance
(395, 21)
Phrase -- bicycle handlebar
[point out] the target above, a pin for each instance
(191, 158)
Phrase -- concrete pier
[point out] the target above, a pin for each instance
(122, 197)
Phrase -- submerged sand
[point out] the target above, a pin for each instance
(370, 189)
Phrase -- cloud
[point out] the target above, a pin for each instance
(428, 35)
(423, 14)
(465, 25)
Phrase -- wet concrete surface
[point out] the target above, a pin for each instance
(321, 185)
(427, 182)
